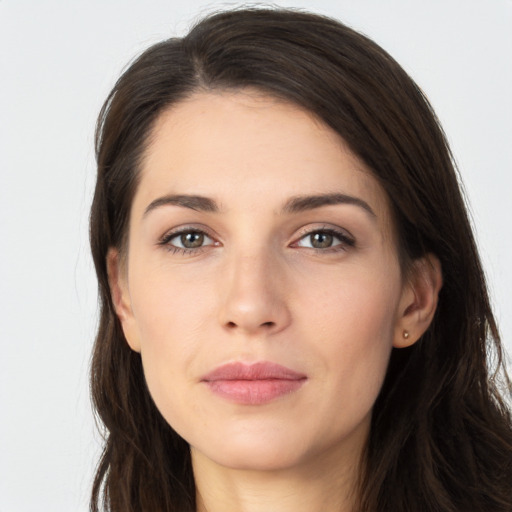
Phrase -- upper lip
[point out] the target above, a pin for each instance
(263, 370)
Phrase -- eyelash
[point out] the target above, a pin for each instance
(346, 241)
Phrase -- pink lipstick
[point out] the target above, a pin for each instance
(253, 384)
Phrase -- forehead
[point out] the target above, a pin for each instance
(240, 146)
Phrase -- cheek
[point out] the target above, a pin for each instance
(173, 321)
(363, 303)
(352, 323)
(170, 311)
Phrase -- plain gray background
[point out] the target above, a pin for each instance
(58, 60)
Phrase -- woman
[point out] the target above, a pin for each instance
(294, 314)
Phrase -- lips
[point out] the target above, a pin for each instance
(253, 384)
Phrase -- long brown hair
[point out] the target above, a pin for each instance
(441, 435)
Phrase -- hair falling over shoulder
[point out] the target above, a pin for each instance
(441, 434)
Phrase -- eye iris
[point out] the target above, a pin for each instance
(192, 240)
(321, 240)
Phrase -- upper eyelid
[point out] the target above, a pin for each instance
(328, 228)
(186, 228)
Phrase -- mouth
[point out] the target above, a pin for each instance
(253, 384)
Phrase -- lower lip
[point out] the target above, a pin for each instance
(254, 392)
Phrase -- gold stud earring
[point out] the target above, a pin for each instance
(406, 334)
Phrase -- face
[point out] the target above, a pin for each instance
(261, 284)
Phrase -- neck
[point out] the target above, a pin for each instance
(327, 485)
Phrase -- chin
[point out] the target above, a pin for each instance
(255, 457)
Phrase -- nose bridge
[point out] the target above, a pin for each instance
(253, 299)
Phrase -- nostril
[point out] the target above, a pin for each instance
(233, 325)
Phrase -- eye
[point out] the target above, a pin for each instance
(325, 239)
(186, 240)
(190, 240)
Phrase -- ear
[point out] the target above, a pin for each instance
(118, 282)
(419, 300)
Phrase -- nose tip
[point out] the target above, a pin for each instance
(254, 315)
(253, 301)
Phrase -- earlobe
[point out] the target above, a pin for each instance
(419, 301)
(117, 280)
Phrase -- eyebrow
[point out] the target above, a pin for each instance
(304, 203)
(198, 203)
(293, 205)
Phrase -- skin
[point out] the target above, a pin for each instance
(257, 289)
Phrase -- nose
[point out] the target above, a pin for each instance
(253, 296)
